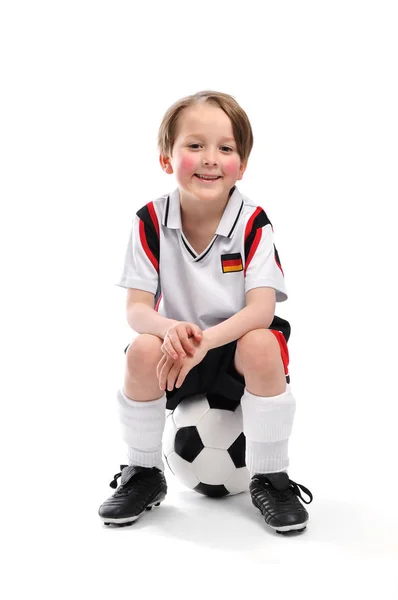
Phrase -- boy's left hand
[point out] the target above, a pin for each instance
(171, 372)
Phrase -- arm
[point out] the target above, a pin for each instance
(141, 277)
(257, 314)
(142, 317)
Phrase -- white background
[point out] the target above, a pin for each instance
(84, 88)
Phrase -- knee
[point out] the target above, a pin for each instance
(143, 354)
(258, 348)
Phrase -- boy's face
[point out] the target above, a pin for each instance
(204, 145)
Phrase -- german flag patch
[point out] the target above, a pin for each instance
(231, 262)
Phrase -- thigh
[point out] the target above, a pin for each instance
(237, 362)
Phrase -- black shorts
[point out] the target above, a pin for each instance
(215, 373)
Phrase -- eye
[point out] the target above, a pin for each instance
(224, 148)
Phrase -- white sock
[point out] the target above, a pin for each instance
(142, 426)
(267, 425)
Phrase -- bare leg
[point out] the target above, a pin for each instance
(143, 355)
(263, 370)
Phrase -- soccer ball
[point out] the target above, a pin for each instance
(204, 445)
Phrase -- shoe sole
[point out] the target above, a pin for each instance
(287, 528)
(282, 528)
(128, 520)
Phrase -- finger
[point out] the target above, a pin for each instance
(160, 365)
(172, 376)
(181, 377)
(191, 349)
(169, 348)
(163, 375)
(178, 344)
(197, 335)
(166, 348)
(188, 347)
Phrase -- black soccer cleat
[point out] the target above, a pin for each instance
(275, 495)
(140, 489)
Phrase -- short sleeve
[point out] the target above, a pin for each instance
(141, 263)
(263, 267)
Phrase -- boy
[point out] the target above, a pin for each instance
(203, 276)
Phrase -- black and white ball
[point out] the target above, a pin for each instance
(204, 445)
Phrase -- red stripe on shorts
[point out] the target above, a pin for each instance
(284, 350)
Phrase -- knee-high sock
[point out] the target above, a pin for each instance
(267, 425)
(142, 427)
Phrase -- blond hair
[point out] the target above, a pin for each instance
(240, 122)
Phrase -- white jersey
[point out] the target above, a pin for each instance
(210, 287)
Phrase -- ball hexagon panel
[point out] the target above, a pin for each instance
(239, 480)
(219, 428)
(184, 469)
(213, 466)
(237, 451)
(214, 491)
(188, 443)
(190, 411)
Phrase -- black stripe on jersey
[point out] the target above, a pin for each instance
(277, 255)
(192, 253)
(260, 221)
(236, 220)
(208, 250)
(188, 248)
(157, 295)
(167, 210)
(150, 231)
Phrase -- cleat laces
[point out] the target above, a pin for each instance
(125, 489)
(113, 483)
(285, 495)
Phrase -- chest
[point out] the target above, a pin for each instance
(199, 240)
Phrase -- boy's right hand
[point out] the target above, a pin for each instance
(176, 340)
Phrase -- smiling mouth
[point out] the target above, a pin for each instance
(207, 178)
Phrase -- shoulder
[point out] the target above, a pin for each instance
(150, 216)
(153, 207)
(254, 215)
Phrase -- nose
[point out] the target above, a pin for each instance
(210, 157)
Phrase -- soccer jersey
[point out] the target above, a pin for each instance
(210, 287)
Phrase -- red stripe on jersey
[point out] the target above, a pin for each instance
(154, 217)
(248, 230)
(249, 225)
(254, 247)
(257, 239)
(147, 250)
(232, 263)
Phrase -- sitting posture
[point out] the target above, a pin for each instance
(203, 277)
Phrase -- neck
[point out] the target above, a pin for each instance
(196, 213)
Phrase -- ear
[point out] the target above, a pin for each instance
(165, 164)
(242, 169)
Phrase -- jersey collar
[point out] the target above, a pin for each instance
(229, 219)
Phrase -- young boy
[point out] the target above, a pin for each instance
(203, 275)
